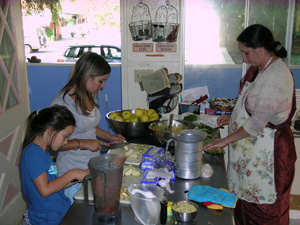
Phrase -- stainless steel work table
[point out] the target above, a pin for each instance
(82, 213)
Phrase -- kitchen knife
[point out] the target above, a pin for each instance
(114, 146)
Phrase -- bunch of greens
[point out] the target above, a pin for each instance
(191, 118)
(210, 134)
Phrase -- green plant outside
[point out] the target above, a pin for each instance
(49, 33)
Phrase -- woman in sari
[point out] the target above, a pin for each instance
(261, 145)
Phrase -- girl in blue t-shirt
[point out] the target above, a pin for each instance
(43, 189)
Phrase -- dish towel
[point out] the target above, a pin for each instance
(212, 197)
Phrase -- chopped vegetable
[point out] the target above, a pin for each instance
(184, 207)
(131, 171)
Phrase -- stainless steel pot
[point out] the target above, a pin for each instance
(188, 174)
(187, 157)
(188, 152)
(186, 165)
(160, 132)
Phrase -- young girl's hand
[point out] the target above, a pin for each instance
(80, 174)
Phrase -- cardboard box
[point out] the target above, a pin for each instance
(295, 202)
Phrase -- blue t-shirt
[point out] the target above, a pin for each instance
(41, 210)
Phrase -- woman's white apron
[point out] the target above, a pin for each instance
(250, 171)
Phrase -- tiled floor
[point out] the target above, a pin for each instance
(294, 222)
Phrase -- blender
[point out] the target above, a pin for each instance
(106, 174)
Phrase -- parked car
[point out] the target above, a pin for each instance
(34, 39)
(109, 52)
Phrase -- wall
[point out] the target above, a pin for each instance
(221, 82)
(46, 80)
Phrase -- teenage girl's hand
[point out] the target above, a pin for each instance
(117, 138)
(223, 120)
(93, 145)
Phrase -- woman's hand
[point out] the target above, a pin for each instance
(223, 120)
(218, 144)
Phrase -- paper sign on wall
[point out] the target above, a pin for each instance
(166, 47)
(142, 47)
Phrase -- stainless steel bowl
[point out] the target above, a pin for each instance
(184, 216)
(159, 129)
(129, 129)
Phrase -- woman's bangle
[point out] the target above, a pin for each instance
(78, 147)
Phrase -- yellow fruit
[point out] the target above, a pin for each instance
(153, 116)
(138, 112)
(144, 118)
(145, 111)
(119, 118)
(113, 115)
(134, 118)
(150, 111)
(135, 173)
(126, 115)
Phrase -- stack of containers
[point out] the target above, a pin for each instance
(188, 153)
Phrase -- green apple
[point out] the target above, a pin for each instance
(119, 118)
(134, 118)
(113, 115)
(150, 111)
(138, 112)
(144, 118)
(153, 116)
(126, 115)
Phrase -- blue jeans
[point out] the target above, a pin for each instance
(71, 191)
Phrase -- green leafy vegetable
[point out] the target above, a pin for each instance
(191, 118)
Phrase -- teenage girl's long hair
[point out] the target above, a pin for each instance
(90, 64)
(57, 117)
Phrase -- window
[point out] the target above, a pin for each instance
(295, 51)
(211, 29)
(212, 40)
(81, 22)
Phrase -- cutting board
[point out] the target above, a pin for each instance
(131, 161)
(127, 181)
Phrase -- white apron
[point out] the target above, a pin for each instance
(250, 171)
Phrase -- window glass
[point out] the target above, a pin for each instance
(211, 29)
(272, 14)
(116, 53)
(96, 50)
(81, 22)
(72, 52)
(295, 53)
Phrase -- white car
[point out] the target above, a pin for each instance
(111, 53)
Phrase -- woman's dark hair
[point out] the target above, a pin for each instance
(256, 36)
(57, 117)
(89, 64)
